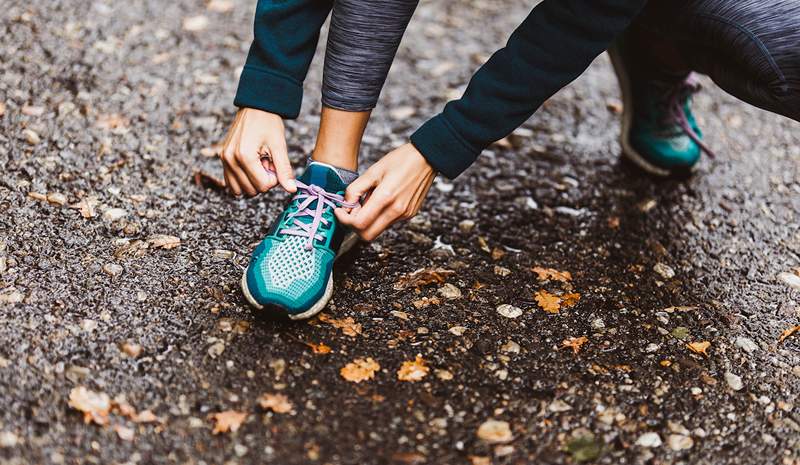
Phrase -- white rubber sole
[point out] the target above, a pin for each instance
(627, 119)
(349, 241)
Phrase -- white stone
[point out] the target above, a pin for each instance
(649, 440)
(509, 311)
(746, 344)
(734, 381)
(679, 442)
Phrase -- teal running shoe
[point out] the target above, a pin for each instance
(291, 270)
(659, 131)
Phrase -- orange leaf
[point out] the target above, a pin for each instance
(348, 326)
(320, 348)
(229, 420)
(788, 333)
(413, 370)
(278, 403)
(575, 343)
(360, 369)
(551, 273)
(548, 302)
(699, 347)
(570, 300)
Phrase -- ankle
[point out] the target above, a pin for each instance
(340, 158)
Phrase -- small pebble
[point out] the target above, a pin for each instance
(112, 269)
(664, 271)
(649, 440)
(509, 311)
(450, 292)
(678, 442)
(746, 344)
(734, 381)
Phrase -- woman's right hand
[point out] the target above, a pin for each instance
(254, 149)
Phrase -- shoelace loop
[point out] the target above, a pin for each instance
(676, 113)
(307, 195)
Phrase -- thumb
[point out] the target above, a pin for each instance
(362, 185)
(283, 168)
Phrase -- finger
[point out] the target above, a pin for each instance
(283, 168)
(378, 226)
(259, 178)
(269, 168)
(358, 188)
(375, 206)
(241, 178)
(233, 186)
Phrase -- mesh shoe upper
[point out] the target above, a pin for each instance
(291, 267)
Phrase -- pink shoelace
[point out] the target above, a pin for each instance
(676, 113)
(307, 195)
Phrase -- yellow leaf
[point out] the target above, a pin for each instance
(278, 403)
(413, 370)
(575, 343)
(788, 333)
(360, 369)
(229, 420)
(699, 347)
(546, 274)
(548, 302)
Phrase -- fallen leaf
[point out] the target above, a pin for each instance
(546, 274)
(124, 433)
(423, 277)
(229, 420)
(498, 253)
(548, 302)
(94, 405)
(195, 23)
(164, 241)
(38, 196)
(360, 369)
(413, 370)
(278, 403)
(145, 416)
(788, 333)
(348, 326)
(575, 343)
(699, 347)
(495, 432)
(86, 207)
(569, 300)
(220, 6)
(320, 348)
(112, 121)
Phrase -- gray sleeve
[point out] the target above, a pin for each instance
(363, 39)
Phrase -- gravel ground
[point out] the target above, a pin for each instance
(119, 273)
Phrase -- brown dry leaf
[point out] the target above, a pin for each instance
(86, 207)
(164, 241)
(550, 303)
(38, 196)
(788, 333)
(425, 302)
(348, 326)
(203, 179)
(699, 347)
(546, 274)
(94, 405)
(112, 121)
(498, 253)
(320, 348)
(229, 420)
(360, 369)
(570, 300)
(413, 370)
(278, 403)
(423, 277)
(575, 343)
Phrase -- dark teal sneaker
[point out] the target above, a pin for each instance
(291, 270)
(659, 132)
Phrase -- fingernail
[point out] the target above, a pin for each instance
(292, 184)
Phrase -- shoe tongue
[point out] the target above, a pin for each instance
(324, 176)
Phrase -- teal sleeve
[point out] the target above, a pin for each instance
(286, 35)
(552, 47)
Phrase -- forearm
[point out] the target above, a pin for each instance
(285, 38)
(553, 46)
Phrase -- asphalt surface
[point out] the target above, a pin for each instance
(118, 100)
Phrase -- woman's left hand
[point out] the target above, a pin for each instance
(397, 185)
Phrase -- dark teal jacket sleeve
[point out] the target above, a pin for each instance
(286, 34)
(551, 48)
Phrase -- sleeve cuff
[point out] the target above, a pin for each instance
(269, 91)
(444, 149)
